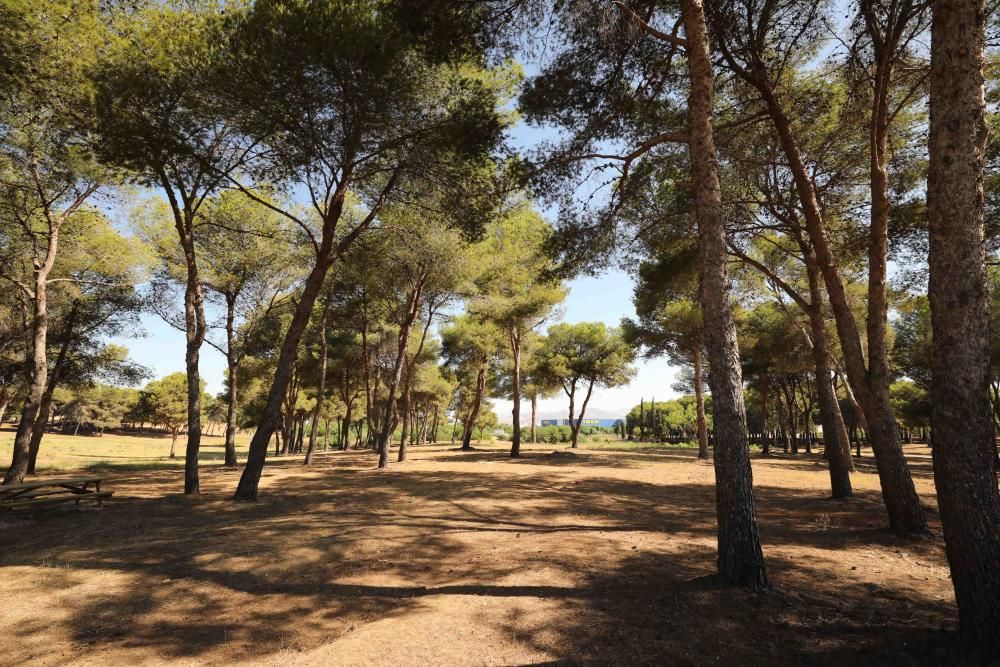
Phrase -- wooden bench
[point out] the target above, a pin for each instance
(51, 492)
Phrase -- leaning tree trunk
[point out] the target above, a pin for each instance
(476, 403)
(898, 492)
(36, 389)
(741, 560)
(835, 442)
(962, 431)
(250, 479)
(699, 400)
(42, 419)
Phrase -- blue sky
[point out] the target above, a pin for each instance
(607, 298)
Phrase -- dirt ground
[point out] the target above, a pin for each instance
(597, 557)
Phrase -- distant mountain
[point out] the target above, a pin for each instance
(592, 413)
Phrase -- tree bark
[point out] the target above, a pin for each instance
(389, 416)
(38, 366)
(534, 414)
(575, 425)
(898, 492)
(194, 325)
(837, 446)
(250, 479)
(42, 420)
(962, 432)
(232, 364)
(408, 382)
(765, 439)
(515, 348)
(699, 399)
(741, 560)
(476, 403)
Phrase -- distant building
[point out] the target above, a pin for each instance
(603, 423)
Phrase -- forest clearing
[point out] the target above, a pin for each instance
(474, 558)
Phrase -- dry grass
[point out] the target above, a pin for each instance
(113, 451)
(472, 558)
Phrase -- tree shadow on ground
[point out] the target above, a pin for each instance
(338, 545)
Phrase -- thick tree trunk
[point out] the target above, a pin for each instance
(44, 408)
(36, 383)
(898, 492)
(962, 432)
(194, 323)
(870, 384)
(699, 399)
(515, 348)
(741, 560)
(250, 479)
(476, 403)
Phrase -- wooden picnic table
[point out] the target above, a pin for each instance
(51, 491)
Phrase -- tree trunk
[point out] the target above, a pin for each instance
(390, 415)
(408, 382)
(173, 443)
(321, 389)
(575, 426)
(301, 436)
(250, 479)
(765, 440)
(699, 399)
(515, 348)
(962, 431)
(741, 560)
(898, 492)
(232, 362)
(38, 373)
(42, 419)
(194, 323)
(476, 403)
(836, 445)
(534, 414)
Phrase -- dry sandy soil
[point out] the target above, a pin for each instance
(596, 557)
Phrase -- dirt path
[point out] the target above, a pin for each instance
(470, 558)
